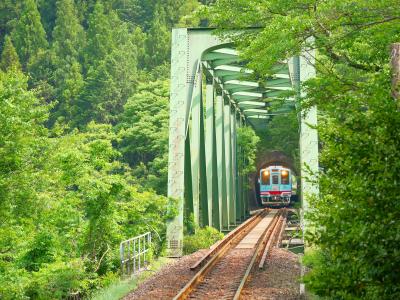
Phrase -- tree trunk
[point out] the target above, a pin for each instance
(395, 62)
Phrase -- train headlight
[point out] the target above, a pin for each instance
(284, 173)
(266, 173)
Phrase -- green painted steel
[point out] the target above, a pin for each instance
(308, 139)
(235, 169)
(205, 220)
(203, 166)
(234, 166)
(188, 205)
(228, 161)
(195, 146)
(217, 203)
(177, 137)
(209, 146)
(220, 138)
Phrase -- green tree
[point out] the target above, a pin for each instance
(112, 64)
(142, 13)
(21, 131)
(22, 139)
(188, 14)
(158, 40)
(68, 41)
(101, 40)
(67, 197)
(8, 12)
(282, 134)
(28, 34)
(48, 12)
(9, 57)
(356, 253)
(66, 202)
(247, 141)
(143, 134)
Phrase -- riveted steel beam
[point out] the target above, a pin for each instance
(205, 204)
(228, 164)
(308, 136)
(177, 138)
(210, 154)
(195, 143)
(220, 139)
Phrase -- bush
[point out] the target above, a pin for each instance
(202, 239)
(57, 280)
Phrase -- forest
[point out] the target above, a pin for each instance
(83, 138)
(84, 93)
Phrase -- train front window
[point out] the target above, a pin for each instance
(265, 177)
(275, 179)
(285, 177)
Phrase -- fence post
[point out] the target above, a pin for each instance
(133, 253)
(122, 256)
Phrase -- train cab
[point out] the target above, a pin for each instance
(275, 185)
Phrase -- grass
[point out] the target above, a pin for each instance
(123, 287)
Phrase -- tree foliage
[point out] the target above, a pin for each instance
(9, 57)
(68, 41)
(111, 62)
(143, 134)
(282, 134)
(247, 141)
(83, 139)
(28, 34)
(355, 232)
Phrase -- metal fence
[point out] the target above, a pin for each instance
(135, 254)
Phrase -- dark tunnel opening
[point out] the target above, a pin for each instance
(271, 158)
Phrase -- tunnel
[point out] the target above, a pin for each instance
(265, 159)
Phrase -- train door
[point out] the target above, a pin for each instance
(275, 182)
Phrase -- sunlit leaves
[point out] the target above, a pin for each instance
(247, 141)
(359, 159)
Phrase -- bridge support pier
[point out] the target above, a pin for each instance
(308, 138)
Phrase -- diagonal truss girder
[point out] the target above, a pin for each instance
(212, 95)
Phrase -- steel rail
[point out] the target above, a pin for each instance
(275, 230)
(222, 248)
(231, 235)
(279, 240)
(269, 233)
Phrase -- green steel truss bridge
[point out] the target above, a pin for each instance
(212, 95)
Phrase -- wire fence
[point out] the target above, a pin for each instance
(135, 254)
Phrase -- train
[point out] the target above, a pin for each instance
(277, 185)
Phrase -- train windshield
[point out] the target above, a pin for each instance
(275, 179)
(285, 177)
(265, 177)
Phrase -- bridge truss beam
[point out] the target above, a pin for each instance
(212, 95)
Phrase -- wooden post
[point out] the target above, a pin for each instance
(395, 63)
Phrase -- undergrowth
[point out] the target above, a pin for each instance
(202, 239)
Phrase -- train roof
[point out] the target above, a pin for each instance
(276, 167)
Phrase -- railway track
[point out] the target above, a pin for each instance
(223, 272)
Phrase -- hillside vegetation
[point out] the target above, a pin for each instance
(83, 138)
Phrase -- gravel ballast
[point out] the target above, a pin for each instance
(278, 280)
(167, 282)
